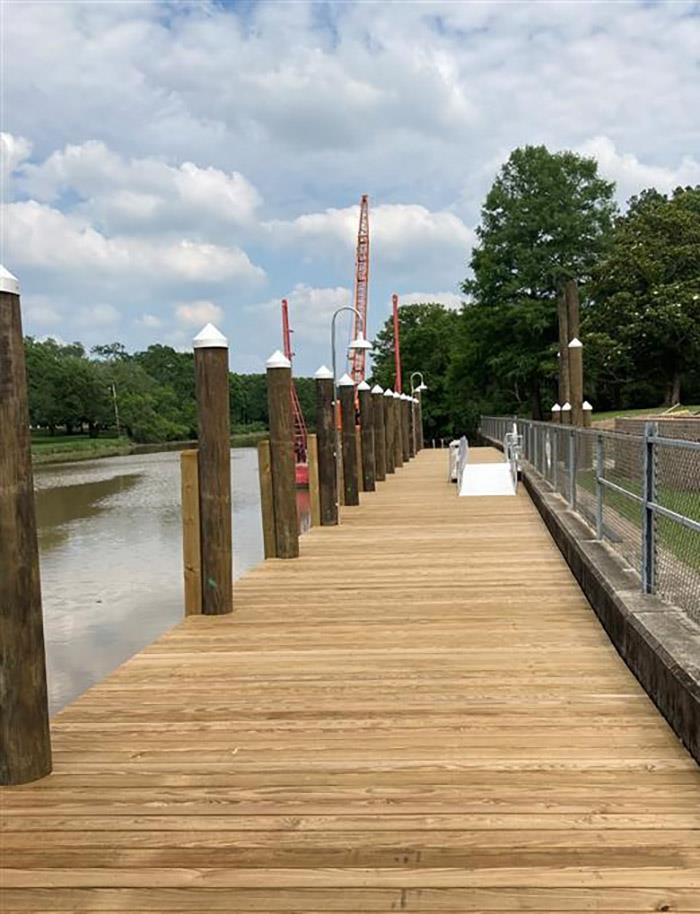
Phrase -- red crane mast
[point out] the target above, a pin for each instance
(357, 361)
(299, 423)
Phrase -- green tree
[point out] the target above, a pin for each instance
(546, 219)
(645, 311)
(426, 336)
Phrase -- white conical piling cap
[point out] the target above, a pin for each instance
(346, 381)
(363, 385)
(377, 389)
(278, 360)
(576, 343)
(388, 392)
(587, 406)
(397, 395)
(209, 337)
(8, 282)
(324, 374)
(566, 407)
(556, 408)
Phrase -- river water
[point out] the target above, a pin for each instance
(110, 542)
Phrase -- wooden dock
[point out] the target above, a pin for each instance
(421, 713)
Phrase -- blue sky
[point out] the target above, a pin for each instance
(167, 164)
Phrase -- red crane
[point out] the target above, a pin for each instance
(299, 423)
(357, 360)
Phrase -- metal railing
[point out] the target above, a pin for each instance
(639, 493)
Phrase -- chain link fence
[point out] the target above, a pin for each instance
(639, 493)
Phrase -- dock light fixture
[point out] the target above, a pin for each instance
(421, 387)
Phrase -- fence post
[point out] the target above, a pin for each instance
(284, 492)
(346, 395)
(572, 468)
(214, 463)
(648, 517)
(191, 546)
(388, 408)
(379, 433)
(25, 742)
(367, 432)
(325, 433)
(599, 475)
(398, 431)
(314, 494)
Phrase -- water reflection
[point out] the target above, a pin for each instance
(111, 562)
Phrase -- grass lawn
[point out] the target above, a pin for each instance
(47, 449)
(647, 411)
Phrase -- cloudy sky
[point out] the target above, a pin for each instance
(165, 164)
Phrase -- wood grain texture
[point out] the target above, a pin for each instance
(25, 748)
(314, 491)
(441, 725)
(325, 435)
(379, 437)
(351, 464)
(367, 433)
(282, 462)
(214, 469)
(191, 548)
(267, 501)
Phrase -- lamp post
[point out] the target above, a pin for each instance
(358, 343)
(418, 419)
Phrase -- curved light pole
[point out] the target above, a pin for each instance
(358, 343)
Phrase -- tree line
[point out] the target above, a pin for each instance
(547, 219)
(152, 392)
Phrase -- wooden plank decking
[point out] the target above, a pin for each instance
(421, 713)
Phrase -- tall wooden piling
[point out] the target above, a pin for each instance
(25, 744)
(367, 432)
(379, 433)
(214, 464)
(576, 380)
(284, 491)
(556, 413)
(389, 450)
(398, 431)
(403, 413)
(562, 313)
(267, 503)
(419, 419)
(325, 434)
(411, 408)
(566, 414)
(314, 494)
(191, 538)
(346, 394)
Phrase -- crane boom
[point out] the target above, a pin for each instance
(300, 434)
(357, 361)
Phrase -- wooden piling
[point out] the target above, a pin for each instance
(564, 392)
(403, 411)
(25, 744)
(566, 414)
(576, 380)
(284, 490)
(398, 431)
(389, 450)
(191, 542)
(556, 414)
(367, 432)
(267, 505)
(358, 458)
(214, 464)
(379, 434)
(314, 495)
(346, 394)
(325, 435)
(587, 410)
(411, 408)
(419, 417)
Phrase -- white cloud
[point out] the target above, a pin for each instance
(149, 320)
(39, 311)
(13, 151)
(198, 313)
(310, 312)
(41, 236)
(631, 175)
(100, 315)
